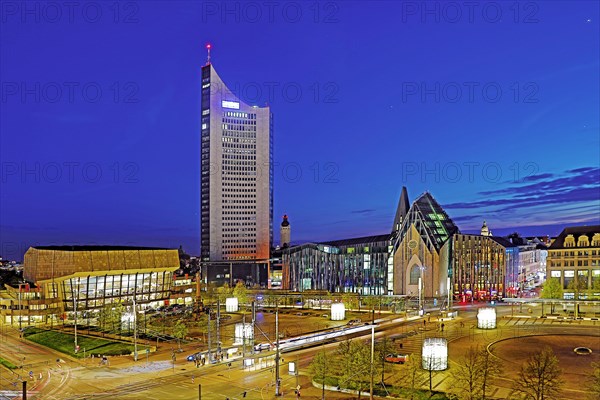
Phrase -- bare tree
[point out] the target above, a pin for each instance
(490, 367)
(539, 378)
(466, 381)
(412, 375)
(475, 370)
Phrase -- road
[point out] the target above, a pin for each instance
(160, 378)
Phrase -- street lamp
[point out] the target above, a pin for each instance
(135, 350)
(74, 293)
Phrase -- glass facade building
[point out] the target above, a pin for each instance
(357, 265)
(483, 267)
(91, 292)
(88, 278)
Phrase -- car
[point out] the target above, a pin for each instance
(354, 322)
(196, 356)
(225, 316)
(396, 358)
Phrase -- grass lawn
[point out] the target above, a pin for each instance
(64, 343)
(7, 364)
(393, 391)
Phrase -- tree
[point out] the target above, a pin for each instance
(350, 300)
(103, 318)
(579, 286)
(539, 378)
(489, 367)
(466, 381)
(180, 331)
(241, 293)
(319, 368)
(594, 382)
(355, 368)
(371, 302)
(594, 292)
(412, 375)
(223, 292)
(383, 348)
(552, 289)
(474, 372)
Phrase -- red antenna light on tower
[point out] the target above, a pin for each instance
(208, 47)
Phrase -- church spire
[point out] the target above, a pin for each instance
(401, 210)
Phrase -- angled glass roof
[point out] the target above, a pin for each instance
(430, 219)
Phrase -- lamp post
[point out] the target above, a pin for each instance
(75, 316)
(420, 300)
(277, 380)
(372, 359)
(135, 349)
(421, 291)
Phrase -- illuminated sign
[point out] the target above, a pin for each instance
(230, 104)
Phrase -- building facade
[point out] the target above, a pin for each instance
(483, 267)
(357, 265)
(61, 279)
(574, 259)
(421, 250)
(236, 184)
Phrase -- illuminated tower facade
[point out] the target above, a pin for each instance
(236, 183)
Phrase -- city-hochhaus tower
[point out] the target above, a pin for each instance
(236, 183)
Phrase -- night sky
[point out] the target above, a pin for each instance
(494, 110)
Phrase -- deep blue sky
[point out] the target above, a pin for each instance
(353, 89)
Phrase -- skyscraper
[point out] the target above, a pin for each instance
(236, 183)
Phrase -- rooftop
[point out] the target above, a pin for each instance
(576, 231)
(358, 240)
(97, 248)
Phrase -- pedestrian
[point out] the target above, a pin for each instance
(424, 322)
(442, 327)
(400, 345)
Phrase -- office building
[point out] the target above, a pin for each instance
(236, 184)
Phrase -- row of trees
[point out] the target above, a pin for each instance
(553, 289)
(539, 378)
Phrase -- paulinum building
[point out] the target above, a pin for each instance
(424, 245)
(429, 247)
